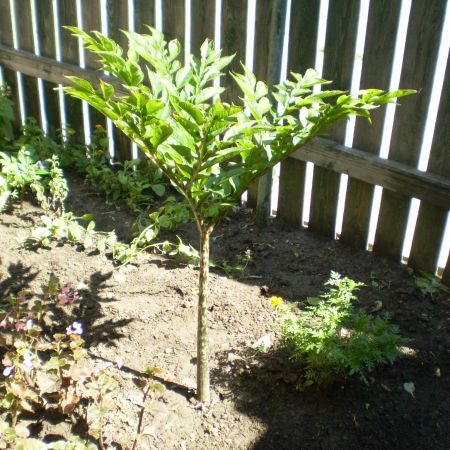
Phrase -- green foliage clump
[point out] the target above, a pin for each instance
(430, 285)
(23, 170)
(333, 339)
(6, 117)
(134, 181)
(44, 368)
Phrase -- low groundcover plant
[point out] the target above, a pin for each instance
(332, 339)
(210, 150)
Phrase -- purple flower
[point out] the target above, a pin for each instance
(41, 165)
(75, 328)
(7, 372)
(3, 324)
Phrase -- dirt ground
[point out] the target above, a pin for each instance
(146, 314)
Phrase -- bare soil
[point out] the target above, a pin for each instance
(146, 313)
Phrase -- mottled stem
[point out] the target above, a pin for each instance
(203, 394)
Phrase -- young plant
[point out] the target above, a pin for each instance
(6, 116)
(332, 339)
(209, 150)
(44, 364)
(21, 170)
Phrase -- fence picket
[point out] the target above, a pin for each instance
(46, 36)
(202, 23)
(144, 14)
(302, 50)
(69, 54)
(342, 24)
(422, 44)
(446, 274)
(173, 21)
(25, 32)
(92, 21)
(117, 21)
(377, 63)
(233, 38)
(6, 38)
(431, 220)
(261, 54)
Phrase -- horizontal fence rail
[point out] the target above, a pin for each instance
(384, 186)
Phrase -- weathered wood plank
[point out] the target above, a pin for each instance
(144, 14)
(10, 76)
(420, 53)
(431, 220)
(25, 35)
(392, 175)
(117, 21)
(338, 63)
(377, 63)
(291, 192)
(302, 50)
(92, 21)
(52, 70)
(173, 21)
(446, 274)
(233, 38)
(260, 58)
(277, 21)
(56, 72)
(202, 23)
(47, 46)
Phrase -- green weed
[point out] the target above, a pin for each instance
(332, 339)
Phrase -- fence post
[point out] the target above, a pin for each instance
(276, 36)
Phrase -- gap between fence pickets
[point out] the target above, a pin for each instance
(324, 153)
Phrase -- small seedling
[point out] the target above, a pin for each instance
(430, 285)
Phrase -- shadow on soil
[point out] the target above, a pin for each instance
(345, 415)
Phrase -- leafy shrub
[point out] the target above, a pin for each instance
(22, 170)
(6, 117)
(44, 368)
(333, 339)
(135, 181)
(43, 363)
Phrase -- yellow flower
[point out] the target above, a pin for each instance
(98, 126)
(275, 301)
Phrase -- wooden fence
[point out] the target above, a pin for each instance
(36, 53)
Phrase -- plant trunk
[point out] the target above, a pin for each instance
(202, 325)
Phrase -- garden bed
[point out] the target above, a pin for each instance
(146, 313)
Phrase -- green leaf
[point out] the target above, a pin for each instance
(194, 111)
(159, 134)
(158, 189)
(208, 93)
(410, 388)
(107, 90)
